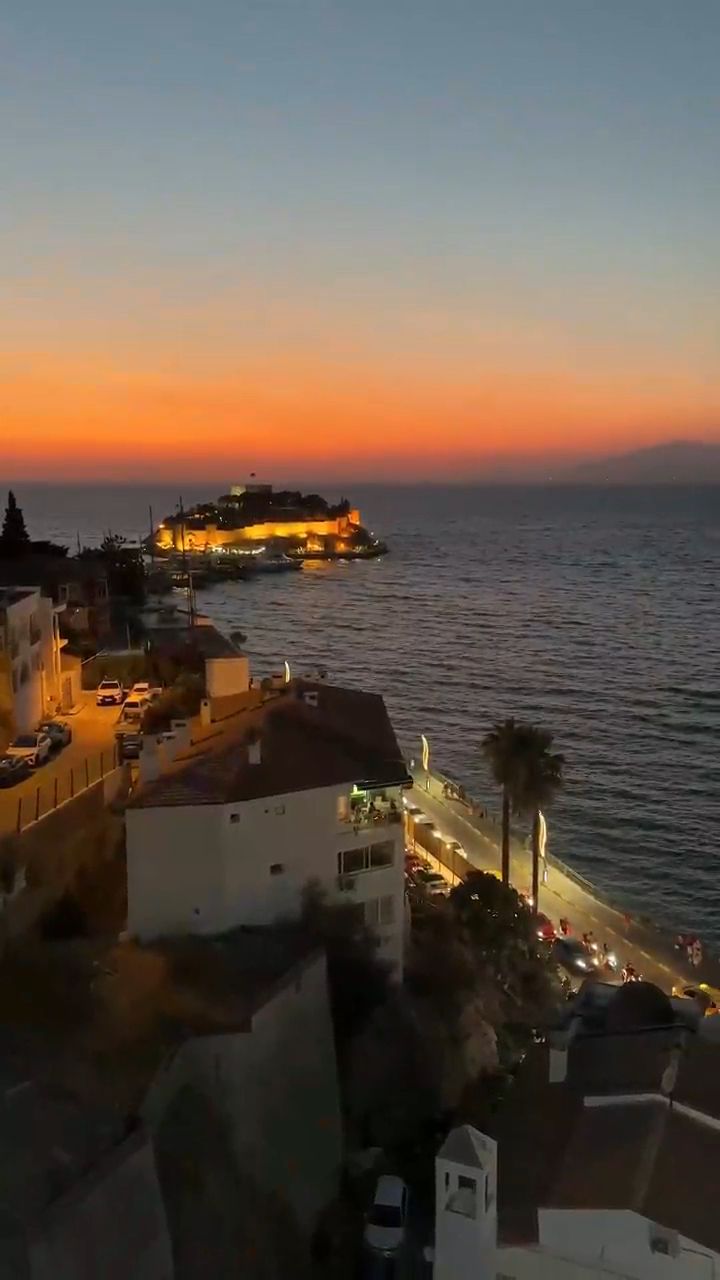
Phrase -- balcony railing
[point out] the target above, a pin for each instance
(367, 817)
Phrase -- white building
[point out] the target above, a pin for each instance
(307, 787)
(30, 658)
(606, 1154)
(264, 1052)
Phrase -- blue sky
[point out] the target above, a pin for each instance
(428, 192)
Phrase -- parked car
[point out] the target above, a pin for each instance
(129, 743)
(432, 882)
(707, 997)
(58, 731)
(109, 693)
(385, 1223)
(133, 710)
(33, 747)
(13, 769)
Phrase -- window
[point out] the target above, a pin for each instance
(372, 911)
(351, 861)
(234, 817)
(387, 910)
(276, 868)
(280, 809)
(380, 911)
(381, 855)
(368, 858)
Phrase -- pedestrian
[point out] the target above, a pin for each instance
(564, 926)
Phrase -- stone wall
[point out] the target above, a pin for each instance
(111, 1224)
(49, 854)
(276, 1086)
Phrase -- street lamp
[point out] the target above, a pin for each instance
(287, 672)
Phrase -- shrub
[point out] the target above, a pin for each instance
(64, 919)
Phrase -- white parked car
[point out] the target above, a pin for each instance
(133, 710)
(144, 689)
(33, 747)
(109, 692)
(385, 1223)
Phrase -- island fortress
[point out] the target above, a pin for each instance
(254, 513)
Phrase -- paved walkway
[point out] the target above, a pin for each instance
(648, 949)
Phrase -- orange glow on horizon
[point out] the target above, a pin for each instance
(80, 421)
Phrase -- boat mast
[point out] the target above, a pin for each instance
(186, 570)
(152, 537)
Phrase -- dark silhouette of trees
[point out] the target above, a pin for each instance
(502, 748)
(14, 539)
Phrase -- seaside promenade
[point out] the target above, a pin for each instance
(638, 941)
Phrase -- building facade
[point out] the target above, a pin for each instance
(308, 788)
(31, 673)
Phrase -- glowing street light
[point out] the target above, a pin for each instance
(287, 672)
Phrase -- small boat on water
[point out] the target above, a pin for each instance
(274, 562)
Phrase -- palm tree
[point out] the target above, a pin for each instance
(541, 776)
(504, 749)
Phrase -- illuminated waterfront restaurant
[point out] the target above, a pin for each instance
(254, 514)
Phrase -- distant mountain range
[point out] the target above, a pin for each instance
(679, 462)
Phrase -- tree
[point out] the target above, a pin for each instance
(124, 565)
(541, 776)
(14, 539)
(502, 748)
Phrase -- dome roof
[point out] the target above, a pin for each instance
(639, 1004)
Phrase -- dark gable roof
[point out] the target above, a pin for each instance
(633, 1149)
(346, 738)
(648, 1158)
(204, 639)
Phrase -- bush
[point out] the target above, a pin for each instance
(65, 919)
(177, 703)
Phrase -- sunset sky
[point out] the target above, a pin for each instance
(371, 238)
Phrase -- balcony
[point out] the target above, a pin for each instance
(366, 815)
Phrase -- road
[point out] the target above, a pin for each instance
(650, 952)
(93, 743)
